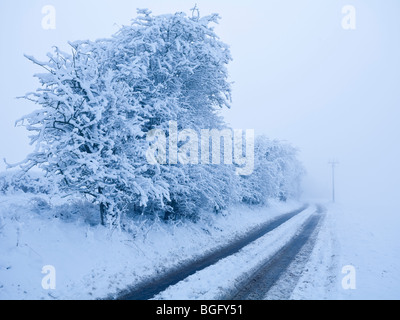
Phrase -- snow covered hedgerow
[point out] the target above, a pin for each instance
(186, 69)
(277, 173)
(32, 182)
(98, 103)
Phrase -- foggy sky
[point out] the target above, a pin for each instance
(299, 76)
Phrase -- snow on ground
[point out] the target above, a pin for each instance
(364, 236)
(93, 263)
(212, 283)
(90, 262)
(320, 276)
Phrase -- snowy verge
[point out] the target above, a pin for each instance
(212, 282)
(91, 262)
(363, 236)
(319, 279)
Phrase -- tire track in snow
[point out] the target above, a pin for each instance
(151, 288)
(286, 262)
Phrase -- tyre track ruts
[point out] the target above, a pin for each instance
(149, 289)
(261, 281)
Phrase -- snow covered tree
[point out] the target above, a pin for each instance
(88, 133)
(186, 82)
(185, 73)
(277, 173)
(98, 104)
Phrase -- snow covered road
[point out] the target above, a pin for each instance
(220, 274)
(295, 254)
(92, 263)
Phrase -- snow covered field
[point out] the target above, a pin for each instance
(90, 262)
(364, 236)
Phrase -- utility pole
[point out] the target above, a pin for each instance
(333, 164)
